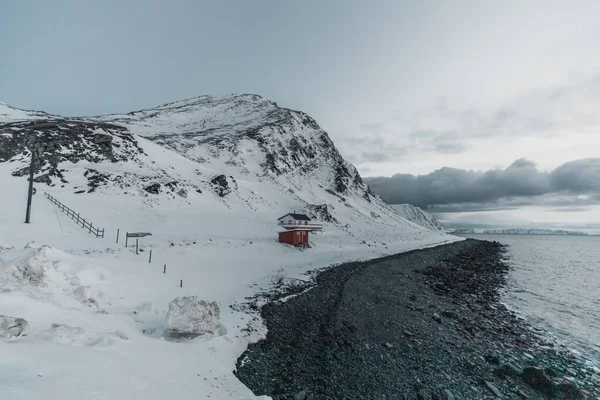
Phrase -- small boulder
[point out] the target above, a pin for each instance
(493, 389)
(537, 379)
(492, 358)
(12, 327)
(153, 189)
(570, 390)
(300, 395)
(220, 185)
(189, 317)
(44, 178)
(436, 317)
(447, 395)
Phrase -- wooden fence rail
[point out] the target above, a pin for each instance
(88, 226)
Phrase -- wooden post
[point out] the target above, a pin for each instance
(126, 238)
(30, 191)
(165, 269)
(150, 258)
(117, 235)
(181, 283)
(136, 246)
(90, 227)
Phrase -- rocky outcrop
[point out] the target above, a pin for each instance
(220, 185)
(319, 212)
(153, 188)
(59, 140)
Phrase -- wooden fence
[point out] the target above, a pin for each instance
(76, 217)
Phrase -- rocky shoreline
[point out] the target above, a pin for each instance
(426, 324)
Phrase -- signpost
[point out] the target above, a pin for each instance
(135, 235)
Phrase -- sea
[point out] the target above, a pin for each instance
(554, 283)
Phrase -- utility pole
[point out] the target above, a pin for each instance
(30, 193)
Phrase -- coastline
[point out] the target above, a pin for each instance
(423, 324)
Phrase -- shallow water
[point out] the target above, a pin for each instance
(555, 284)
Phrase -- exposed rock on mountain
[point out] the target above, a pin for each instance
(419, 216)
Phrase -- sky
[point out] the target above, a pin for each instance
(402, 87)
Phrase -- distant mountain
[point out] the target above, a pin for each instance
(533, 232)
(516, 231)
(419, 216)
(463, 231)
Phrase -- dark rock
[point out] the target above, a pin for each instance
(412, 297)
(436, 317)
(320, 212)
(492, 359)
(570, 391)
(537, 379)
(450, 314)
(493, 389)
(44, 178)
(21, 172)
(220, 185)
(154, 188)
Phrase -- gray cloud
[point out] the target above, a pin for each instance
(371, 127)
(575, 183)
(373, 150)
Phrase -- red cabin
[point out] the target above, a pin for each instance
(296, 237)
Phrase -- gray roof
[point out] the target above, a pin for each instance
(297, 217)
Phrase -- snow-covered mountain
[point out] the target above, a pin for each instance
(208, 177)
(232, 146)
(419, 216)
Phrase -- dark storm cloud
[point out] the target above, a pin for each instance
(521, 183)
(578, 176)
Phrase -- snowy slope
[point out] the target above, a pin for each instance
(207, 177)
(10, 114)
(419, 216)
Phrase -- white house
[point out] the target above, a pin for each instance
(298, 221)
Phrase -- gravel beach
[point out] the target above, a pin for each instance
(426, 324)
